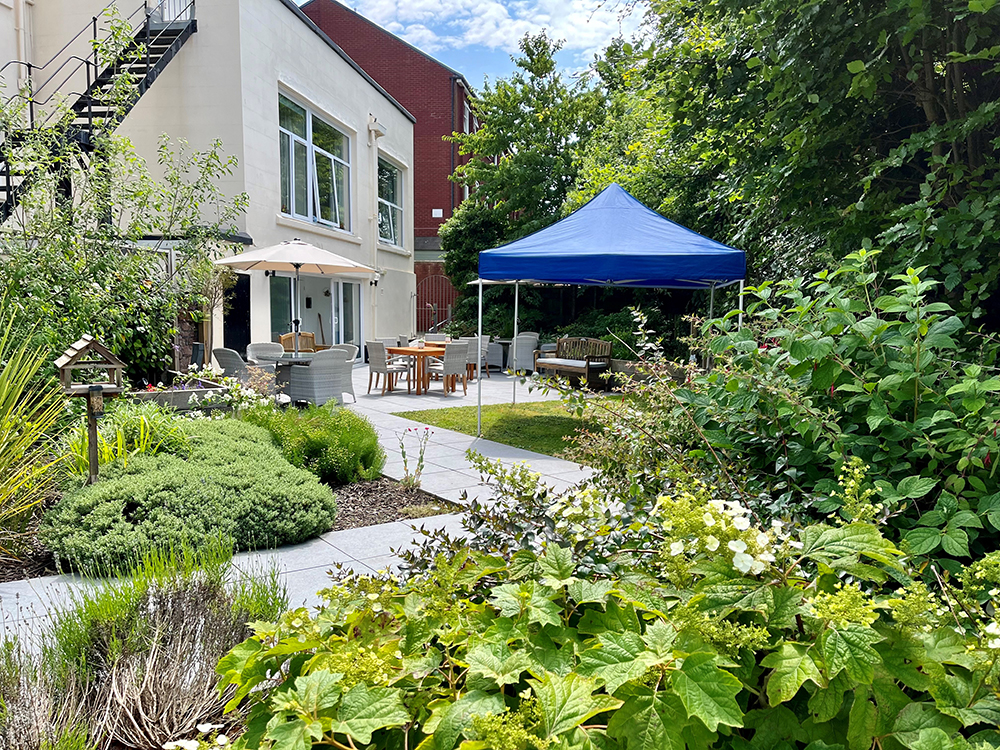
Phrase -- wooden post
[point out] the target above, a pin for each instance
(95, 408)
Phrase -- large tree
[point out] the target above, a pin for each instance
(807, 128)
(525, 157)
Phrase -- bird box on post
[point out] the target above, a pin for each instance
(101, 373)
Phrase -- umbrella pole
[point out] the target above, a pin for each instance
(298, 310)
(517, 287)
(479, 375)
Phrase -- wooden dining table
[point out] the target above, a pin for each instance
(419, 356)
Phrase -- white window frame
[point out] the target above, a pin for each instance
(397, 241)
(312, 179)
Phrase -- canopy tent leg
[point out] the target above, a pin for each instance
(479, 375)
(513, 345)
(711, 302)
(739, 324)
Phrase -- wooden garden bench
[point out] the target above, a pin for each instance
(578, 357)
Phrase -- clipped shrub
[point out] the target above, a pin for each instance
(233, 483)
(129, 429)
(130, 662)
(333, 443)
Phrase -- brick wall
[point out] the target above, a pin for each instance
(426, 88)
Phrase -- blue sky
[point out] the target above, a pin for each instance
(477, 37)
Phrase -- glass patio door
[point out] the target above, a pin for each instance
(347, 313)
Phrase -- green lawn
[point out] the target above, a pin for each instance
(535, 426)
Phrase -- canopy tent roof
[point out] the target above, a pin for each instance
(614, 240)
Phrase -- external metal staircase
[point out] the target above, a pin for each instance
(158, 31)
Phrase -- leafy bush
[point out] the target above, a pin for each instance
(333, 443)
(730, 636)
(130, 662)
(129, 429)
(233, 483)
(30, 406)
(845, 370)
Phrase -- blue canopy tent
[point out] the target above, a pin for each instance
(613, 240)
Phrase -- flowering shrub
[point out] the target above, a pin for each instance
(827, 375)
(810, 646)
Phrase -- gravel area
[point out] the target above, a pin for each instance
(384, 500)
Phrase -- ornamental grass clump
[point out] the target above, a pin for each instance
(234, 482)
(130, 661)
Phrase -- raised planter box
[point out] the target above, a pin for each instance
(180, 398)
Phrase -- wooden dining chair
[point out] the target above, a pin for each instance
(307, 341)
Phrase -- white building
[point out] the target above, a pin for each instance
(315, 138)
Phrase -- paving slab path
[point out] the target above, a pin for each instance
(303, 568)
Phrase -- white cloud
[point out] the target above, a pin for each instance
(585, 25)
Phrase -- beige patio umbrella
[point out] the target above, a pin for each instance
(294, 255)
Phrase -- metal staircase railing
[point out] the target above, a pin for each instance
(157, 30)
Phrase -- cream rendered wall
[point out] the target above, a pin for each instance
(16, 17)
(281, 53)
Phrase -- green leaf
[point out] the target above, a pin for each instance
(618, 658)
(793, 664)
(861, 722)
(915, 487)
(556, 566)
(649, 721)
(955, 542)
(932, 739)
(451, 719)
(364, 710)
(584, 592)
(708, 692)
(856, 66)
(493, 659)
(923, 540)
(528, 598)
(826, 704)
(849, 649)
(567, 702)
(290, 735)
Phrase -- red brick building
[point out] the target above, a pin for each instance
(439, 99)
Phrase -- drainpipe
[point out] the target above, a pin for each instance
(454, 83)
(375, 131)
(20, 33)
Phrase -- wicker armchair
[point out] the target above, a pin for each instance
(452, 366)
(524, 352)
(268, 349)
(327, 378)
(379, 366)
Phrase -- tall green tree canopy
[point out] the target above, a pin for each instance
(533, 126)
(805, 129)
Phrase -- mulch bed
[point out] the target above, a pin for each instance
(361, 504)
(37, 561)
(384, 500)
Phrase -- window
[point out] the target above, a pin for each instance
(315, 167)
(390, 203)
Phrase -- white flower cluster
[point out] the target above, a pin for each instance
(753, 548)
(993, 629)
(220, 740)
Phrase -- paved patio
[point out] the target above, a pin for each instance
(447, 474)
